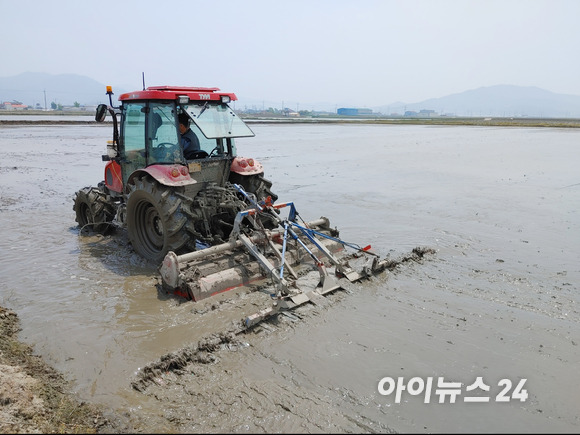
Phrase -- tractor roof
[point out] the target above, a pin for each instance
(174, 92)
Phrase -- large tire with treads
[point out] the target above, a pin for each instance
(256, 184)
(93, 211)
(155, 221)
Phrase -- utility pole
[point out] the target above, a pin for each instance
(45, 100)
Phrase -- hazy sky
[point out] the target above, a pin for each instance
(302, 52)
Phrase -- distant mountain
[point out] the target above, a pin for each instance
(500, 100)
(32, 88)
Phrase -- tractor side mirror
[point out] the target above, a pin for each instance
(101, 113)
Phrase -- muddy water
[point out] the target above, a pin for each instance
(499, 300)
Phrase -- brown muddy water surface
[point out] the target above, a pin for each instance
(499, 299)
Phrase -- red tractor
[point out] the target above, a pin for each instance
(165, 201)
(209, 221)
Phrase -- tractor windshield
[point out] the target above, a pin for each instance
(217, 120)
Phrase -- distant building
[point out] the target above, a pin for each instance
(423, 113)
(13, 106)
(353, 111)
(290, 112)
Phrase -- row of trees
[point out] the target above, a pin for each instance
(58, 106)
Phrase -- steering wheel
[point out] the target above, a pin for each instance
(161, 151)
(199, 154)
(215, 150)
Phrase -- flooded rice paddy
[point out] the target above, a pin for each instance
(498, 300)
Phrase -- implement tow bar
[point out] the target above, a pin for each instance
(285, 298)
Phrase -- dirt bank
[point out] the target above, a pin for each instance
(35, 398)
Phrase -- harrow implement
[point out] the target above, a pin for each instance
(263, 245)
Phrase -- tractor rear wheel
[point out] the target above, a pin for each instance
(155, 222)
(93, 211)
(256, 184)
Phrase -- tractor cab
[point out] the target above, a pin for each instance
(146, 132)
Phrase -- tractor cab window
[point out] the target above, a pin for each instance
(132, 139)
(133, 130)
(216, 125)
(149, 133)
(209, 147)
(162, 134)
(218, 120)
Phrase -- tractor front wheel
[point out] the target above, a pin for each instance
(93, 211)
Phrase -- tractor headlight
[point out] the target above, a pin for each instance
(226, 99)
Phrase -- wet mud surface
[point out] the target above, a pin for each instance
(497, 298)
